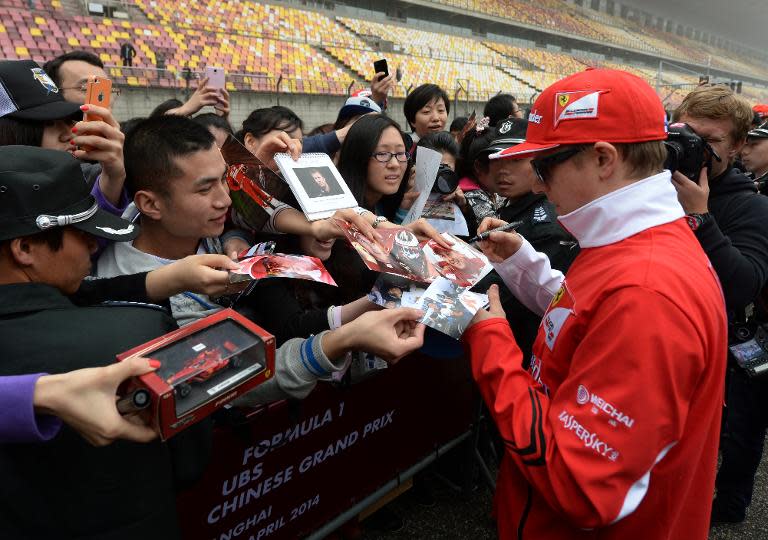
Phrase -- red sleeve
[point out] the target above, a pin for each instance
(588, 448)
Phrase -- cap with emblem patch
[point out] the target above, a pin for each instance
(595, 105)
(357, 104)
(509, 132)
(28, 93)
(41, 189)
(760, 132)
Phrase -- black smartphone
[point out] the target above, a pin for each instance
(380, 66)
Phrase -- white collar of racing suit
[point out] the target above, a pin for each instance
(625, 212)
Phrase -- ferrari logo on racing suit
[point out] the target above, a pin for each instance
(561, 307)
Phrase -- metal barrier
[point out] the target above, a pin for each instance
(174, 78)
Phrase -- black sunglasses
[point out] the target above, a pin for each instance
(542, 166)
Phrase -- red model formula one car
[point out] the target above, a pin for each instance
(202, 367)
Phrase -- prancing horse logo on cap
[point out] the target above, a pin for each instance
(43, 78)
(577, 105)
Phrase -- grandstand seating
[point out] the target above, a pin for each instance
(479, 81)
(249, 18)
(264, 47)
(559, 16)
(426, 44)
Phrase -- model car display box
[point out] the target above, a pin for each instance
(204, 366)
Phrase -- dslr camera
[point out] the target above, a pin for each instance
(687, 152)
(447, 180)
(751, 354)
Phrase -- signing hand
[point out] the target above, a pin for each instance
(500, 245)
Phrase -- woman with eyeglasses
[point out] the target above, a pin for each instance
(374, 161)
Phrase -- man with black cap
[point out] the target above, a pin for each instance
(33, 112)
(67, 488)
(514, 180)
(754, 156)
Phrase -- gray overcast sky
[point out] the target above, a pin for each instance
(744, 21)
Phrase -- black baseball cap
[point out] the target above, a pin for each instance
(509, 133)
(28, 93)
(760, 132)
(41, 189)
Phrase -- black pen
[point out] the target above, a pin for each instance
(484, 236)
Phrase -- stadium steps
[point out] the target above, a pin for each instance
(518, 61)
(137, 15)
(511, 72)
(376, 43)
(359, 78)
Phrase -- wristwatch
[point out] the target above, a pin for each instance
(697, 220)
(378, 220)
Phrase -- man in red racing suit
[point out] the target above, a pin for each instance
(613, 432)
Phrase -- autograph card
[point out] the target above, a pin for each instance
(391, 291)
(399, 252)
(279, 265)
(461, 263)
(449, 308)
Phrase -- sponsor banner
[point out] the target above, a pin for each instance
(292, 467)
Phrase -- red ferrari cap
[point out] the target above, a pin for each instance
(594, 105)
(761, 109)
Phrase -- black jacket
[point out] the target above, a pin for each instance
(66, 488)
(290, 312)
(736, 240)
(541, 228)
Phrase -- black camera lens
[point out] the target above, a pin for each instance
(447, 180)
(687, 152)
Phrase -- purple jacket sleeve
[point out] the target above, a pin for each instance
(18, 421)
(104, 204)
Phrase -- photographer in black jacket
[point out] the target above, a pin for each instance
(731, 223)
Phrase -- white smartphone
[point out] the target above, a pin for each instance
(215, 76)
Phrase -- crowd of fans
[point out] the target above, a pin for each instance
(116, 231)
